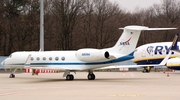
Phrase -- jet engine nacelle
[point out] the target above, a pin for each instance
(89, 55)
(173, 62)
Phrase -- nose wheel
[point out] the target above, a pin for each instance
(12, 76)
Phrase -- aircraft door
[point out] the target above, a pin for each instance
(143, 52)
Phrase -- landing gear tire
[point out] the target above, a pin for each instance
(12, 76)
(70, 77)
(146, 69)
(91, 76)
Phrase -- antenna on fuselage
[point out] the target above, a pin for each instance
(41, 25)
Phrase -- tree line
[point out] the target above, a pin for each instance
(75, 24)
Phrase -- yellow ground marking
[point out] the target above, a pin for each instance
(127, 95)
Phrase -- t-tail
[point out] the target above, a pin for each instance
(129, 38)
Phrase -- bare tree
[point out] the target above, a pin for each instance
(103, 15)
(73, 24)
(66, 12)
(11, 14)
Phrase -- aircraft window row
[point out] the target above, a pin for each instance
(50, 58)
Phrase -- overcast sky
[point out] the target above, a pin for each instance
(130, 5)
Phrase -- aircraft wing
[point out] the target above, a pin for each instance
(129, 66)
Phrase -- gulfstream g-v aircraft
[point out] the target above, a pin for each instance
(82, 59)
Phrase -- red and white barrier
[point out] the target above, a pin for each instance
(39, 71)
(172, 70)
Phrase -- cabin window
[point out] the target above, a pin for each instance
(10, 56)
(32, 58)
(63, 58)
(50, 58)
(44, 58)
(57, 58)
(38, 58)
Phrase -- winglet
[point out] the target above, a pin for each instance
(173, 47)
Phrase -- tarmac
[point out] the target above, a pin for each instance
(106, 86)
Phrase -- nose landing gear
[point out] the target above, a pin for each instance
(12, 74)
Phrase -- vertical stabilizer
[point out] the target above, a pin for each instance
(129, 38)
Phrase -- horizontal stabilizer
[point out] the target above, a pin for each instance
(145, 28)
(161, 29)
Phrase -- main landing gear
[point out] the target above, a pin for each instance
(147, 69)
(91, 75)
(69, 77)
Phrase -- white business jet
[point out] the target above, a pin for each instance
(154, 53)
(82, 59)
